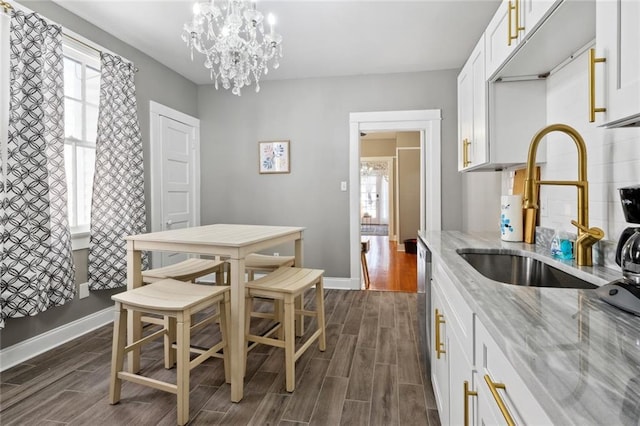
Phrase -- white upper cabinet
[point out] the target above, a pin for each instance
(525, 42)
(618, 42)
(512, 23)
(494, 125)
(548, 33)
(472, 110)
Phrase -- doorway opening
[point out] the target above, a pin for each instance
(427, 123)
(376, 196)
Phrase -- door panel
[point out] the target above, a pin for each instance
(178, 189)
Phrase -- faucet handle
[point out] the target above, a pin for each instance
(595, 232)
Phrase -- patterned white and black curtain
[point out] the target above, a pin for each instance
(117, 206)
(36, 265)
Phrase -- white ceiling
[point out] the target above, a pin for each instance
(320, 38)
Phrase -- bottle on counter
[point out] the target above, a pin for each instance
(561, 246)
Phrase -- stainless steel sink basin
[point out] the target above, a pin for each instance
(510, 268)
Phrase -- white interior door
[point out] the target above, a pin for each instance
(177, 185)
(175, 175)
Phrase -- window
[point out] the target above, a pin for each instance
(81, 98)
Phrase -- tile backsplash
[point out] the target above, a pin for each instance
(613, 161)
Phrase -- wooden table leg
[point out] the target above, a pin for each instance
(134, 325)
(237, 343)
(299, 302)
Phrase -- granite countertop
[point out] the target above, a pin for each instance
(579, 356)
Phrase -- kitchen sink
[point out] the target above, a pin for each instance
(510, 268)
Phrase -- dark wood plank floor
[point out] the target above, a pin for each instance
(369, 375)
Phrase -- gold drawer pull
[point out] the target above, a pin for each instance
(467, 394)
(439, 345)
(493, 387)
(592, 85)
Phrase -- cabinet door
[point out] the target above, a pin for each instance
(465, 115)
(618, 41)
(487, 412)
(519, 404)
(479, 143)
(472, 110)
(533, 11)
(498, 33)
(460, 371)
(439, 356)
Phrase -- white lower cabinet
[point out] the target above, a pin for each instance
(452, 357)
(440, 355)
(473, 381)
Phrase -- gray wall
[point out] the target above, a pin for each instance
(408, 193)
(314, 115)
(155, 82)
(377, 147)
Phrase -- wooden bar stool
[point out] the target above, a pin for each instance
(177, 300)
(187, 270)
(287, 284)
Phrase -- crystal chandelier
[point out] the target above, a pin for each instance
(232, 37)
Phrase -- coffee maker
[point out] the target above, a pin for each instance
(625, 292)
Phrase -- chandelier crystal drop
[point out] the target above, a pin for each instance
(230, 33)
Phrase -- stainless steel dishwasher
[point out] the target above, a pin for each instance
(424, 306)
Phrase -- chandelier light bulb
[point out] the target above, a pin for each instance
(272, 22)
(231, 36)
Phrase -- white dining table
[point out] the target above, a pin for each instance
(234, 243)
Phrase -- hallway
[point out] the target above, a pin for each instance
(389, 269)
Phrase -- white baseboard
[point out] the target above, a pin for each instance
(21, 352)
(341, 283)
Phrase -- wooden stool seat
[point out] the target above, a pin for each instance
(287, 284)
(177, 301)
(187, 270)
(265, 263)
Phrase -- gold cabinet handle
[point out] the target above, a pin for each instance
(439, 320)
(515, 8)
(592, 85)
(467, 394)
(465, 152)
(493, 387)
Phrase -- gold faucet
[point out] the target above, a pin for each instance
(587, 237)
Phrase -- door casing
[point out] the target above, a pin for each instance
(428, 123)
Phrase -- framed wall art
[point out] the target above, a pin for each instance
(273, 157)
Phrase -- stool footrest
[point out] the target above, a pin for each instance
(265, 340)
(308, 343)
(144, 340)
(152, 320)
(146, 381)
(213, 352)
